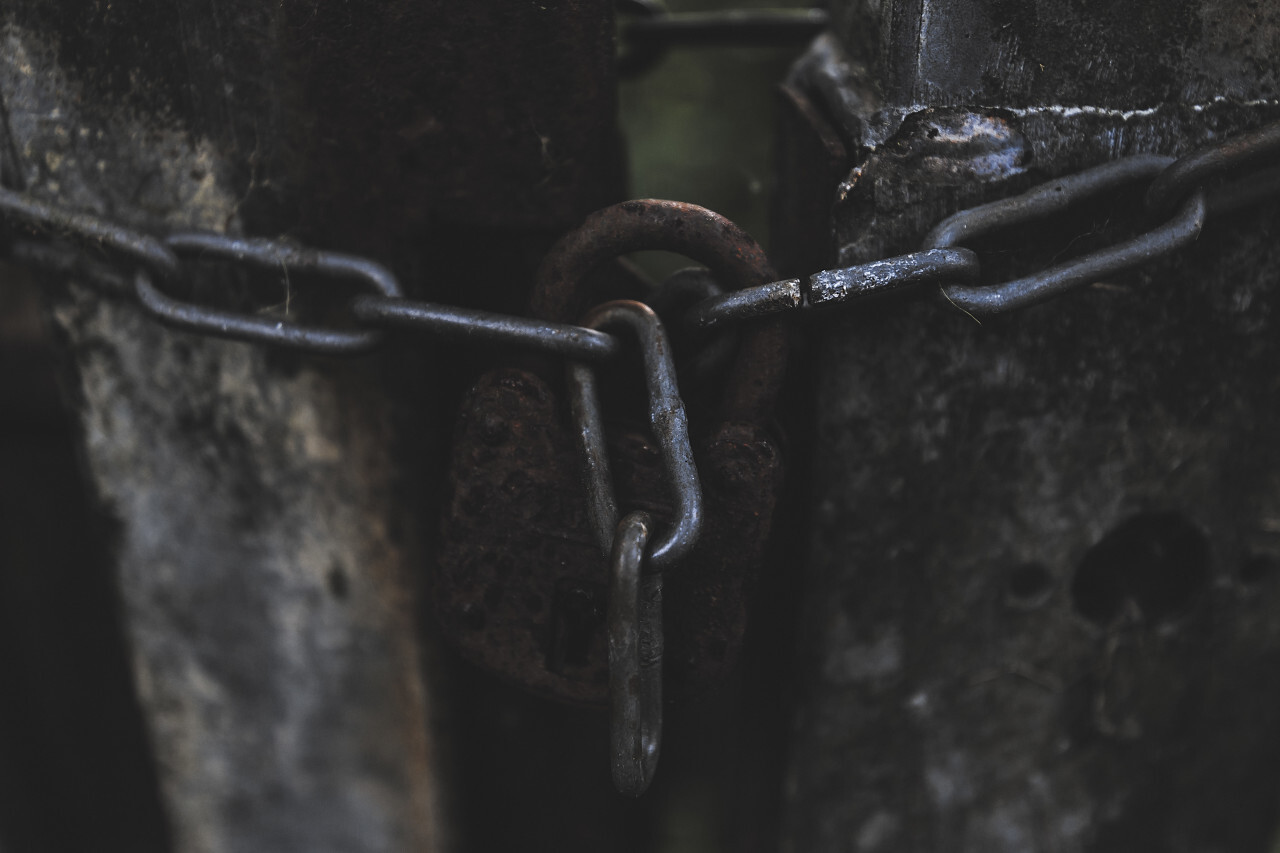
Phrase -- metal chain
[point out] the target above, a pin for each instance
(1184, 193)
(1196, 186)
(1205, 183)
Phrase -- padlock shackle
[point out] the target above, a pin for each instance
(702, 235)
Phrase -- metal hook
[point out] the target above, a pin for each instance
(635, 659)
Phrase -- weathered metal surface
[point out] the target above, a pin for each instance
(893, 275)
(520, 586)
(515, 589)
(521, 581)
(1122, 55)
(267, 540)
(776, 297)
(357, 128)
(268, 610)
(1032, 618)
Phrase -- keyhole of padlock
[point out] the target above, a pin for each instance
(577, 617)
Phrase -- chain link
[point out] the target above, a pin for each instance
(1056, 197)
(666, 417)
(267, 254)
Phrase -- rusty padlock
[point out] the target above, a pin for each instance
(520, 586)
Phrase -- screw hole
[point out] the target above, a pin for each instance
(1158, 561)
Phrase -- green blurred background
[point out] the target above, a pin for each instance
(699, 127)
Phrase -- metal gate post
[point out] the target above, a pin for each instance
(269, 512)
(1043, 611)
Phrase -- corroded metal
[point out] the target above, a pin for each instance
(520, 585)
(263, 549)
(735, 259)
(518, 558)
(892, 275)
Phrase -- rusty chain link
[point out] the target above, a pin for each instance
(1180, 193)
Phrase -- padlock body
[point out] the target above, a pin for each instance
(520, 582)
